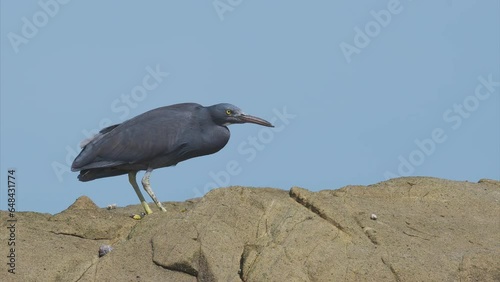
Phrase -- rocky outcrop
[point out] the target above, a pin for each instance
(405, 229)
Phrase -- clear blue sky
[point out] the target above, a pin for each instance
(359, 92)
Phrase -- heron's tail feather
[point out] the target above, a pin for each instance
(95, 173)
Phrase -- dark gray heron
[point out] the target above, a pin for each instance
(158, 138)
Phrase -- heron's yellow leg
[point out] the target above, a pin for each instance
(147, 187)
(133, 182)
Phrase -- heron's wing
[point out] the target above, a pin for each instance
(154, 134)
(103, 131)
(108, 129)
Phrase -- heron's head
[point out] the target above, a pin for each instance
(226, 114)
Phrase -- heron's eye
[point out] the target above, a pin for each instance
(229, 112)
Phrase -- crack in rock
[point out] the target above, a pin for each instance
(205, 274)
(77, 236)
(88, 268)
(416, 236)
(180, 267)
(369, 232)
(318, 211)
(242, 263)
(248, 259)
(391, 268)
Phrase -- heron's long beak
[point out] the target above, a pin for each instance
(256, 120)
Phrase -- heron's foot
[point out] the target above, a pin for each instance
(138, 216)
(160, 206)
(146, 207)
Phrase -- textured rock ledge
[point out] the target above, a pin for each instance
(426, 229)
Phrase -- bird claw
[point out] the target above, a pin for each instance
(138, 216)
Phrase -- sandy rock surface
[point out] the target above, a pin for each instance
(405, 229)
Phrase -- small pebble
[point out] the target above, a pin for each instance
(373, 216)
(104, 249)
